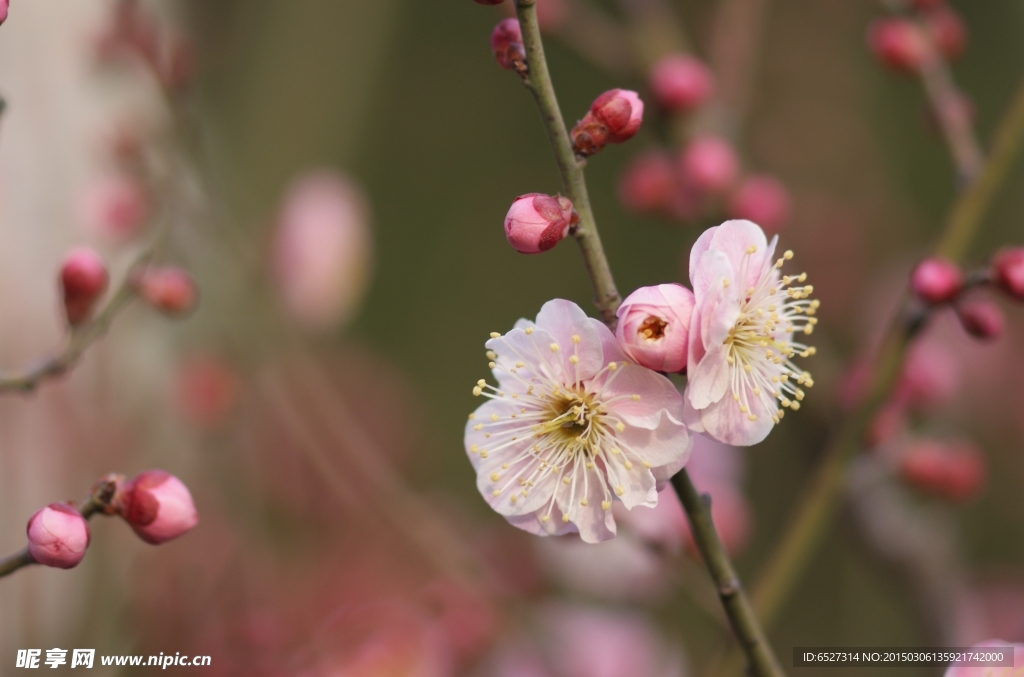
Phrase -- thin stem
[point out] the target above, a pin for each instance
(80, 339)
(819, 503)
(538, 81)
(734, 600)
(737, 607)
(99, 501)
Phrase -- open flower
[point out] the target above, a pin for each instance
(740, 359)
(571, 426)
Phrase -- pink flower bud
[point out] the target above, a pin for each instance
(1008, 272)
(763, 200)
(507, 44)
(709, 163)
(936, 280)
(948, 31)
(981, 318)
(648, 182)
(168, 289)
(536, 222)
(614, 117)
(58, 536)
(4, 6)
(157, 506)
(115, 207)
(898, 43)
(83, 279)
(680, 82)
(654, 325)
(954, 471)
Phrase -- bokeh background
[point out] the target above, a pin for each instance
(341, 532)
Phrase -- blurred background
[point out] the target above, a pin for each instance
(334, 174)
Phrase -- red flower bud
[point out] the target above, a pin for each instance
(58, 536)
(648, 182)
(936, 280)
(898, 43)
(680, 82)
(83, 279)
(507, 44)
(954, 471)
(981, 319)
(157, 506)
(1008, 272)
(761, 199)
(169, 289)
(536, 222)
(614, 117)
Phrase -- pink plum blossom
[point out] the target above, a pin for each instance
(571, 427)
(1005, 671)
(654, 323)
(680, 82)
(740, 365)
(58, 536)
(536, 222)
(157, 506)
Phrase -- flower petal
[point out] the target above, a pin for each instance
(725, 422)
(654, 393)
(709, 381)
(635, 483)
(564, 319)
(665, 444)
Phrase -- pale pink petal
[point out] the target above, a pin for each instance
(636, 484)
(725, 422)
(655, 393)
(665, 444)
(564, 319)
(709, 381)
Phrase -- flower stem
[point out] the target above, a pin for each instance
(99, 501)
(737, 607)
(538, 81)
(734, 600)
(821, 499)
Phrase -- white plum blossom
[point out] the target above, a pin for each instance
(571, 426)
(740, 370)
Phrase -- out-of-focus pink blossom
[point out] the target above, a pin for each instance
(948, 31)
(551, 14)
(58, 536)
(762, 199)
(931, 375)
(709, 163)
(614, 117)
(647, 183)
(654, 324)
(207, 389)
(322, 249)
(115, 207)
(981, 318)
(507, 44)
(536, 222)
(738, 384)
(4, 7)
(157, 506)
(168, 289)
(1008, 271)
(663, 526)
(936, 280)
(624, 429)
(83, 279)
(1011, 671)
(951, 470)
(680, 82)
(898, 43)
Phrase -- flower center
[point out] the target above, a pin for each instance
(653, 328)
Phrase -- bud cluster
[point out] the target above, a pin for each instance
(614, 117)
(906, 43)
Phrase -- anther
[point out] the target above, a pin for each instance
(575, 338)
(605, 505)
(554, 347)
(495, 334)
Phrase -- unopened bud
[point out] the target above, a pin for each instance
(157, 506)
(948, 31)
(168, 289)
(954, 471)
(898, 43)
(981, 318)
(761, 199)
(536, 222)
(57, 536)
(1008, 272)
(936, 280)
(654, 325)
(83, 279)
(709, 163)
(614, 117)
(648, 183)
(4, 6)
(680, 82)
(507, 45)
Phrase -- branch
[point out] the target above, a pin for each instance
(99, 501)
(737, 607)
(80, 338)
